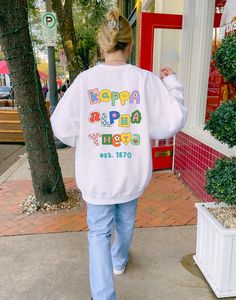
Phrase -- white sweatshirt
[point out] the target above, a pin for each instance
(110, 113)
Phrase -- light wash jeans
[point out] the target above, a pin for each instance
(102, 256)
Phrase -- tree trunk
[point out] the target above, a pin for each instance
(17, 48)
(67, 31)
(84, 55)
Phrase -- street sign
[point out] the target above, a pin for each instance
(49, 28)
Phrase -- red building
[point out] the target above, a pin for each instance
(184, 34)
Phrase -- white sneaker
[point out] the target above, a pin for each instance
(119, 272)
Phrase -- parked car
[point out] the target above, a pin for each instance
(6, 92)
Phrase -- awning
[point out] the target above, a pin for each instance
(4, 70)
(3, 67)
(43, 75)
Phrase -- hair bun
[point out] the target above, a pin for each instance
(115, 32)
(113, 15)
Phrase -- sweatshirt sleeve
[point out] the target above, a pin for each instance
(65, 119)
(166, 106)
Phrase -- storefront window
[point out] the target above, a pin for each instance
(129, 7)
(149, 6)
(133, 54)
(169, 6)
(166, 53)
(219, 89)
(130, 14)
(166, 49)
(220, 6)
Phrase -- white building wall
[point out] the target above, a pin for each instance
(195, 63)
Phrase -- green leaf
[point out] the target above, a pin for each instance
(221, 180)
(222, 124)
(225, 57)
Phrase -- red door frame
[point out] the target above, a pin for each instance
(161, 155)
(217, 20)
(150, 21)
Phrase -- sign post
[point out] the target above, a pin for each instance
(49, 32)
(49, 29)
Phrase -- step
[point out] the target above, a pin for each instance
(10, 125)
(9, 114)
(6, 103)
(11, 136)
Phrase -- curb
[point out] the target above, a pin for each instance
(9, 172)
(12, 169)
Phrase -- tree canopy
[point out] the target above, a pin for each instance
(78, 23)
(88, 16)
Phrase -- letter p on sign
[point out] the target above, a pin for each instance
(49, 21)
(49, 28)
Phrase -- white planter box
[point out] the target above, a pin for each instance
(216, 252)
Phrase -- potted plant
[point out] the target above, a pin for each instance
(225, 57)
(216, 224)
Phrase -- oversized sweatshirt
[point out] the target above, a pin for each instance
(110, 114)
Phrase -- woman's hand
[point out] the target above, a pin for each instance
(166, 72)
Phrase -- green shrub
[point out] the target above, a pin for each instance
(225, 57)
(222, 123)
(221, 180)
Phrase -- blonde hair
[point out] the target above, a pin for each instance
(115, 32)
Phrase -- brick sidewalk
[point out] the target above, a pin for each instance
(166, 202)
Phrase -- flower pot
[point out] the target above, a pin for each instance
(216, 252)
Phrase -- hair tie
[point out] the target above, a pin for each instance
(113, 25)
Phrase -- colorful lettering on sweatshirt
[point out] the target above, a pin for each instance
(108, 119)
(111, 97)
(114, 118)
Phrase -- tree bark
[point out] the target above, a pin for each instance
(42, 155)
(67, 32)
(84, 56)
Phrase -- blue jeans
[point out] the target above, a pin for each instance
(102, 256)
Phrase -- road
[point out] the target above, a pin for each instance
(9, 154)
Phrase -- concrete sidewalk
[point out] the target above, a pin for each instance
(20, 169)
(54, 265)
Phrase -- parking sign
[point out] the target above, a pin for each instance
(49, 28)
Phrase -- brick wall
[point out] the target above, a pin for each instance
(192, 159)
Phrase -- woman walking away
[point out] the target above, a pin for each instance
(110, 114)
